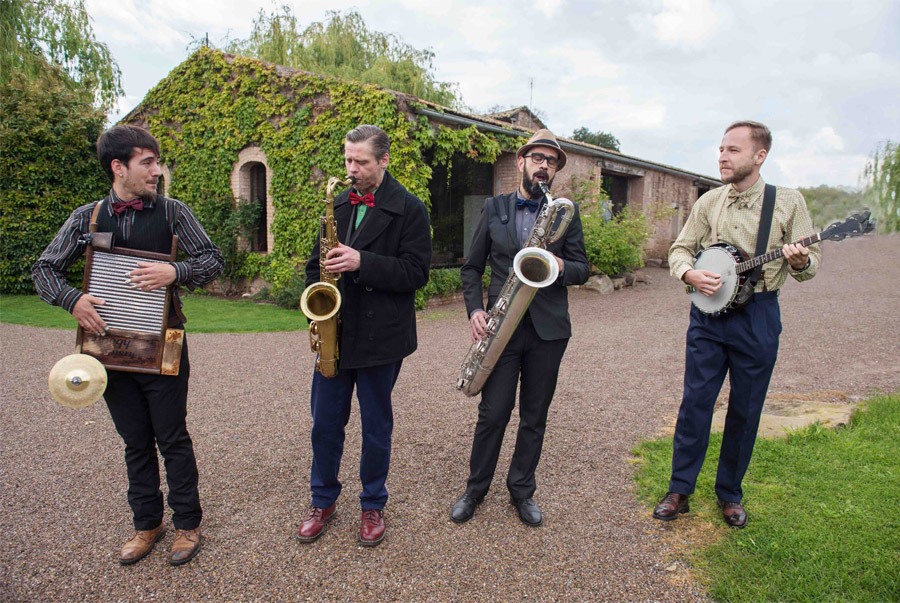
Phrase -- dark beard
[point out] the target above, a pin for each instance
(532, 188)
(148, 197)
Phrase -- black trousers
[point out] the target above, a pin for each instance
(537, 363)
(150, 412)
(745, 346)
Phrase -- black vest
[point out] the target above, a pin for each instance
(150, 232)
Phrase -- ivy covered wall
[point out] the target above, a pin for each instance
(213, 105)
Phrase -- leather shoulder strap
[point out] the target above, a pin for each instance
(95, 214)
(765, 227)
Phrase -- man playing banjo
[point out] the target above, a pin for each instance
(744, 342)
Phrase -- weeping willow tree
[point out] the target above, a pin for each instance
(42, 39)
(345, 47)
(881, 179)
(56, 84)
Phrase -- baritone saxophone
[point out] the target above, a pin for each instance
(321, 301)
(533, 268)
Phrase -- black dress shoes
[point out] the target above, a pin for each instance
(529, 512)
(734, 514)
(464, 508)
(671, 506)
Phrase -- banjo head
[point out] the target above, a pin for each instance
(721, 260)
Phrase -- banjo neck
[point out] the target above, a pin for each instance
(759, 260)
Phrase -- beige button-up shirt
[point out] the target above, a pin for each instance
(738, 224)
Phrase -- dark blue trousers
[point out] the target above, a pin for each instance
(330, 402)
(745, 345)
(150, 412)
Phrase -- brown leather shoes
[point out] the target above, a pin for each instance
(371, 528)
(671, 506)
(734, 514)
(141, 544)
(314, 524)
(185, 547)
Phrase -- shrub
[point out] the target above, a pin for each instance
(288, 296)
(445, 281)
(615, 246)
(50, 167)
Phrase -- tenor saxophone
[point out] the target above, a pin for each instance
(321, 301)
(533, 268)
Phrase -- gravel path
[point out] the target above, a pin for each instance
(63, 478)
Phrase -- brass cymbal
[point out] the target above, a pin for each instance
(77, 381)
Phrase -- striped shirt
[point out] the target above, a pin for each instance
(204, 262)
(738, 224)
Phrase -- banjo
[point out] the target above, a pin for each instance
(734, 265)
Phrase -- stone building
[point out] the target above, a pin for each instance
(457, 188)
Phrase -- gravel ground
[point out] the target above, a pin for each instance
(63, 478)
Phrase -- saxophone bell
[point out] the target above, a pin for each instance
(321, 301)
(535, 267)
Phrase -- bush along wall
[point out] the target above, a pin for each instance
(50, 167)
(214, 105)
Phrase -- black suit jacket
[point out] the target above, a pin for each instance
(495, 241)
(378, 316)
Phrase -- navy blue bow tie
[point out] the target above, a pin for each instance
(531, 204)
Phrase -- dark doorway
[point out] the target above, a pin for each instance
(617, 189)
(469, 183)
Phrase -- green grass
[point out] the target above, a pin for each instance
(824, 524)
(205, 314)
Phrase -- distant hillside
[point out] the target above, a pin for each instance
(828, 204)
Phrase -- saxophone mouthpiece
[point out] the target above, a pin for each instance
(352, 179)
(544, 188)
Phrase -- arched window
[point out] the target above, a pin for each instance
(165, 180)
(250, 180)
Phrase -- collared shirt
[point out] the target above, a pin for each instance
(525, 220)
(204, 263)
(738, 224)
(360, 209)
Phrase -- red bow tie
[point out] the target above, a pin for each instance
(119, 207)
(368, 199)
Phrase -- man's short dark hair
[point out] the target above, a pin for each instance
(759, 133)
(381, 144)
(122, 142)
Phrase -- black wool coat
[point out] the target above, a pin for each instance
(378, 316)
(495, 241)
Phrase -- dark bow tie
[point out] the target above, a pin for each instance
(531, 204)
(368, 199)
(119, 207)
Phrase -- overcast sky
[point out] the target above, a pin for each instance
(664, 76)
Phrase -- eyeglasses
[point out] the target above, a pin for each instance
(539, 158)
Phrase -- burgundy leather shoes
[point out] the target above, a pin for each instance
(671, 506)
(314, 524)
(141, 544)
(371, 527)
(734, 514)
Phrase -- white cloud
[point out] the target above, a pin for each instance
(549, 8)
(685, 24)
(814, 158)
(815, 168)
(610, 108)
(485, 83)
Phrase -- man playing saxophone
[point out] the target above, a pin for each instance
(534, 351)
(383, 256)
